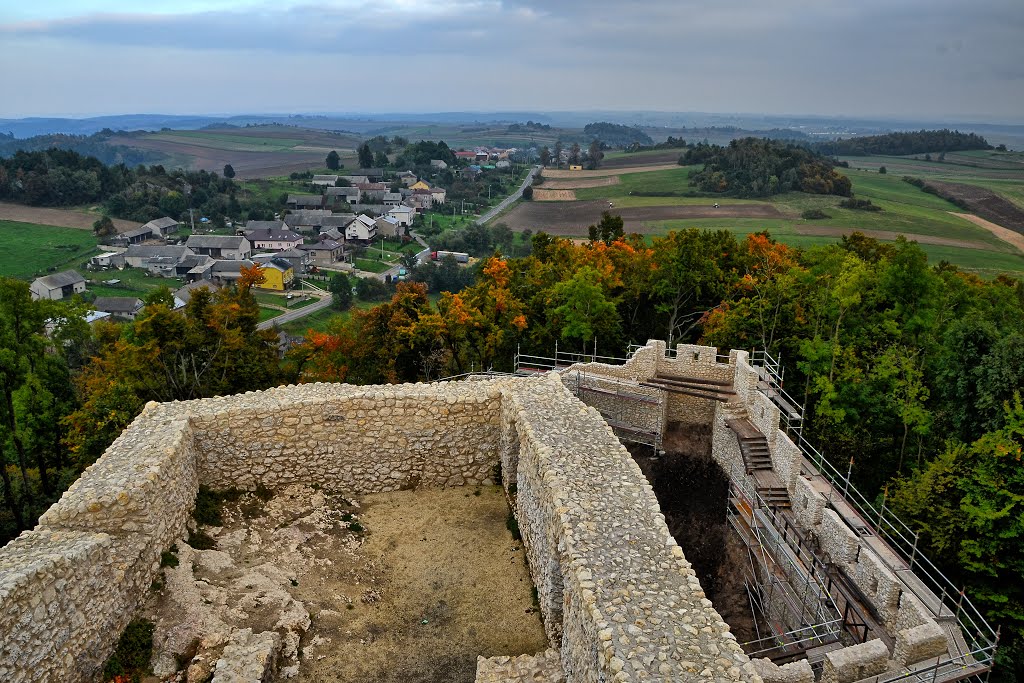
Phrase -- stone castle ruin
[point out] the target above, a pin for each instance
(840, 599)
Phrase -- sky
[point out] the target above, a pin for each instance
(931, 59)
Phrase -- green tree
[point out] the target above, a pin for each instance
(104, 227)
(173, 204)
(558, 154)
(229, 171)
(883, 169)
(381, 159)
(545, 156)
(582, 311)
(528, 192)
(365, 156)
(594, 155)
(334, 160)
(341, 291)
(609, 229)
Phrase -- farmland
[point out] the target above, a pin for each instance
(31, 250)
(906, 210)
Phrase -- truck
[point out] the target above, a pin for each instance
(460, 257)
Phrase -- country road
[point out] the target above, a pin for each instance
(296, 314)
(484, 219)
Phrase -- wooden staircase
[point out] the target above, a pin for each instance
(715, 390)
(757, 460)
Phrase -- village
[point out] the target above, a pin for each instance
(320, 232)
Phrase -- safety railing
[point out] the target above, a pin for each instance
(932, 587)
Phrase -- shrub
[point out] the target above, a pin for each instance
(201, 540)
(528, 192)
(859, 205)
(131, 657)
(355, 526)
(814, 214)
(209, 503)
(168, 558)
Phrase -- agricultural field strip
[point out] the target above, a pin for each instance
(601, 172)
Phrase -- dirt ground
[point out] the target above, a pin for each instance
(409, 586)
(1005, 234)
(569, 184)
(545, 194)
(985, 203)
(64, 218)
(890, 236)
(572, 218)
(606, 171)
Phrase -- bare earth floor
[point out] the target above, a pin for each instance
(404, 586)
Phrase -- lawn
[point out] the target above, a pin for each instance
(31, 250)
(372, 266)
(133, 282)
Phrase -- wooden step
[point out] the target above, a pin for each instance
(694, 380)
(710, 388)
(687, 392)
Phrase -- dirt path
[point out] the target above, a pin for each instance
(579, 184)
(1005, 234)
(551, 195)
(601, 172)
(889, 236)
(62, 218)
(573, 218)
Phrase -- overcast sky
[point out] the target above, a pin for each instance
(933, 59)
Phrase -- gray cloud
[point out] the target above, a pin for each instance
(941, 58)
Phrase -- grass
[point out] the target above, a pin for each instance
(228, 142)
(134, 282)
(372, 266)
(322, 320)
(31, 249)
(268, 313)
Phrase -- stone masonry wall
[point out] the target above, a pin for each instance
(620, 601)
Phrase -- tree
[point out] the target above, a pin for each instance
(173, 204)
(594, 155)
(574, 153)
(558, 154)
(883, 169)
(528, 192)
(333, 160)
(545, 156)
(381, 159)
(365, 156)
(103, 227)
(229, 171)
(341, 292)
(583, 312)
(609, 229)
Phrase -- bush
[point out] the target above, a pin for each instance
(814, 214)
(134, 649)
(209, 503)
(168, 557)
(859, 205)
(528, 192)
(201, 540)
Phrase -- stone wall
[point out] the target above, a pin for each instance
(620, 601)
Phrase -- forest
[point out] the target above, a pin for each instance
(910, 372)
(58, 177)
(900, 144)
(96, 145)
(754, 167)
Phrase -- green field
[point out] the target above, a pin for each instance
(372, 266)
(227, 141)
(30, 250)
(133, 282)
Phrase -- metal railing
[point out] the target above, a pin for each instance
(524, 362)
(933, 588)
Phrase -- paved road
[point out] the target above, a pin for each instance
(296, 314)
(483, 220)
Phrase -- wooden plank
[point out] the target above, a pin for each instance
(716, 388)
(694, 380)
(687, 392)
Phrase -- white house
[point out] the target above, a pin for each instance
(57, 286)
(231, 247)
(273, 239)
(362, 228)
(403, 214)
(324, 180)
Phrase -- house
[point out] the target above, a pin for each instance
(308, 220)
(392, 198)
(423, 198)
(503, 165)
(338, 221)
(388, 226)
(356, 179)
(336, 234)
(439, 194)
(305, 201)
(407, 178)
(298, 258)
(228, 272)
(273, 239)
(324, 180)
(261, 225)
(278, 274)
(184, 295)
(108, 259)
(126, 307)
(419, 185)
(363, 228)
(333, 196)
(139, 255)
(439, 164)
(403, 214)
(231, 247)
(192, 264)
(162, 226)
(468, 156)
(325, 253)
(136, 236)
(57, 286)
(471, 172)
(373, 175)
(372, 192)
(482, 156)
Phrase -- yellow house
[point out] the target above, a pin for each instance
(575, 167)
(277, 275)
(419, 185)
